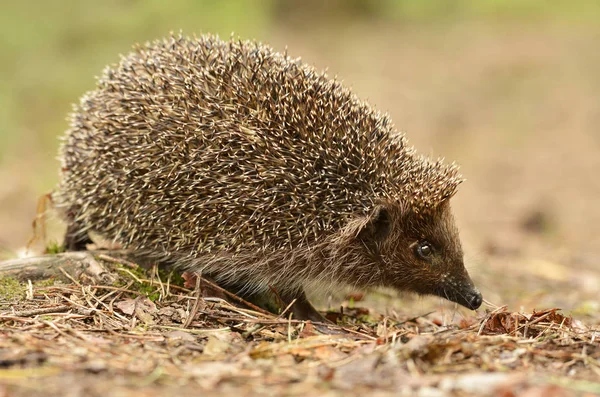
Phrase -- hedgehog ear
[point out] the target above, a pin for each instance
(377, 226)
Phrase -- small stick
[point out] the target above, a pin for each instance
(118, 261)
(237, 298)
(287, 308)
(67, 275)
(196, 306)
(361, 334)
(42, 310)
(136, 278)
(537, 320)
(29, 290)
(39, 222)
(256, 328)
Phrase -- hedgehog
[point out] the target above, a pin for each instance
(228, 158)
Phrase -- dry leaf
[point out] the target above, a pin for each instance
(127, 306)
(215, 346)
(189, 279)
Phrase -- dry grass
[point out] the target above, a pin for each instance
(143, 334)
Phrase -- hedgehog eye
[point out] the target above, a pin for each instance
(424, 249)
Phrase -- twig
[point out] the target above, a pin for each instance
(196, 306)
(530, 323)
(487, 317)
(237, 298)
(287, 308)
(67, 275)
(118, 261)
(29, 296)
(136, 278)
(364, 335)
(42, 310)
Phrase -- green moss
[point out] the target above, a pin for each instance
(11, 289)
(351, 303)
(40, 284)
(128, 274)
(54, 247)
(172, 275)
(48, 282)
(127, 271)
(151, 291)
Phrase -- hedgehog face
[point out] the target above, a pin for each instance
(422, 253)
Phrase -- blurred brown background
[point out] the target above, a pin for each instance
(508, 89)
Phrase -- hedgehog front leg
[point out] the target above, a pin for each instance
(276, 299)
(302, 309)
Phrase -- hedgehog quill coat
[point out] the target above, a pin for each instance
(231, 158)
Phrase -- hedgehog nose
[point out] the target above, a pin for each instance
(475, 300)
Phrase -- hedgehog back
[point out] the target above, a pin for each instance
(201, 145)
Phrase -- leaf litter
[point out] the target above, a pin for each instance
(142, 335)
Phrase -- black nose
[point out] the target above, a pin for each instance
(475, 301)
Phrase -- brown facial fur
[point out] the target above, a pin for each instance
(392, 236)
(378, 249)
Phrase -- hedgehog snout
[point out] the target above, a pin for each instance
(475, 300)
(462, 292)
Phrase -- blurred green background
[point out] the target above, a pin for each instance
(507, 88)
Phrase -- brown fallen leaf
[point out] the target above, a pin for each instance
(143, 308)
(127, 306)
(308, 330)
(189, 279)
(503, 322)
(552, 316)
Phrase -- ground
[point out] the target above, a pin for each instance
(102, 325)
(514, 101)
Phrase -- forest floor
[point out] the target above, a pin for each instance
(104, 326)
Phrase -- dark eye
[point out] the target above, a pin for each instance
(424, 249)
